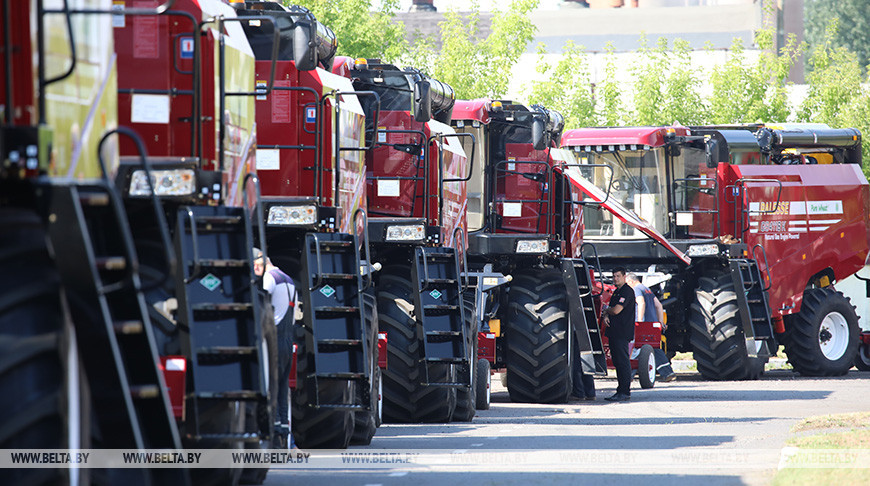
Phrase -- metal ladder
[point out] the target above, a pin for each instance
(439, 308)
(98, 266)
(219, 313)
(584, 321)
(332, 277)
(752, 302)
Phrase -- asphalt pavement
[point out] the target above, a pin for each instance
(689, 431)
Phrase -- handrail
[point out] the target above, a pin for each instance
(7, 63)
(368, 275)
(261, 218)
(738, 184)
(714, 212)
(337, 142)
(541, 202)
(159, 215)
(766, 264)
(597, 262)
(276, 41)
(319, 280)
(470, 160)
(441, 180)
(425, 151)
(460, 272)
(197, 268)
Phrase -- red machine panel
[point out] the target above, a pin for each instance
(522, 189)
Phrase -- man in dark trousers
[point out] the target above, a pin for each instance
(619, 317)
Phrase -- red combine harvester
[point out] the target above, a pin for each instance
(170, 347)
(525, 220)
(742, 231)
(416, 175)
(310, 143)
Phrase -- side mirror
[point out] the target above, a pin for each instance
(538, 141)
(422, 101)
(304, 50)
(712, 150)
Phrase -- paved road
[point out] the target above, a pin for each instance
(685, 432)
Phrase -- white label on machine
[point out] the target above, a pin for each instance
(148, 108)
(261, 88)
(512, 210)
(388, 188)
(511, 166)
(685, 219)
(382, 135)
(268, 159)
(118, 21)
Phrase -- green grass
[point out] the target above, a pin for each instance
(856, 438)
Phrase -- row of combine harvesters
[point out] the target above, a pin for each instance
(147, 147)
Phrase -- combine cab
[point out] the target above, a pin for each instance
(743, 231)
(525, 220)
(310, 145)
(416, 175)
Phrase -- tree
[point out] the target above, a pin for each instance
(747, 92)
(854, 19)
(835, 95)
(477, 67)
(361, 30)
(612, 111)
(666, 86)
(567, 87)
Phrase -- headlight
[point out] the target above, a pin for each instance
(406, 232)
(178, 182)
(703, 250)
(532, 246)
(292, 215)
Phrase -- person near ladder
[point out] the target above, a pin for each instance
(649, 309)
(284, 300)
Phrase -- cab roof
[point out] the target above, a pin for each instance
(650, 136)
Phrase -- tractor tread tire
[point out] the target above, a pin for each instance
(717, 332)
(536, 338)
(802, 334)
(406, 399)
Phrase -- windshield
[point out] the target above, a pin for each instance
(638, 184)
(394, 90)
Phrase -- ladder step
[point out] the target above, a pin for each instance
(589, 309)
(111, 263)
(240, 395)
(128, 327)
(433, 257)
(337, 344)
(244, 437)
(94, 199)
(593, 330)
(142, 392)
(335, 246)
(446, 360)
(218, 220)
(451, 384)
(231, 307)
(442, 336)
(440, 309)
(337, 276)
(346, 309)
(339, 376)
(759, 319)
(227, 351)
(444, 333)
(340, 406)
(441, 281)
(223, 263)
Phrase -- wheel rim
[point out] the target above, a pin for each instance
(651, 368)
(380, 400)
(488, 388)
(864, 354)
(834, 336)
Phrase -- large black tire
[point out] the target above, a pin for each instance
(717, 332)
(319, 428)
(45, 402)
(822, 339)
(483, 385)
(862, 358)
(537, 337)
(466, 397)
(218, 418)
(366, 422)
(259, 416)
(406, 399)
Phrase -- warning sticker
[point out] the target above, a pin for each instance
(118, 21)
(146, 35)
(281, 103)
(185, 48)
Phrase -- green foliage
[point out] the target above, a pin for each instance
(853, 16)
(666, 86)
(477, 67)
(835, 95)
(612, 111)
(568, 87)
(360, 30)
(749, 91)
